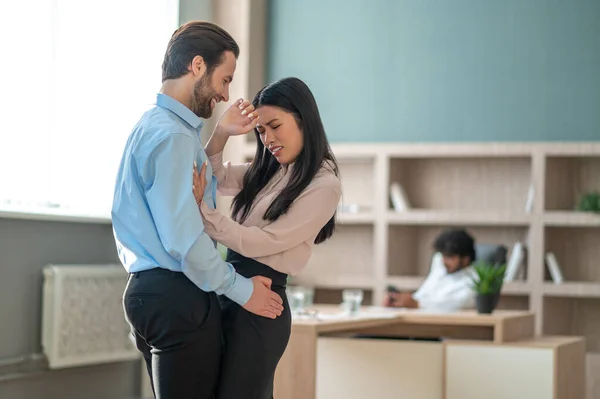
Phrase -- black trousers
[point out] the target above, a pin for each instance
(177, 327)
(253, 345)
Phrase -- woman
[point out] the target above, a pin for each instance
(284, 204)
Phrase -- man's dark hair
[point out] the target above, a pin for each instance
(194, 38)
(455, 242)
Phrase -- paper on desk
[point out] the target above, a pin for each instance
(370, 313)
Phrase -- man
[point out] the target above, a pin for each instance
(175, 270)
(448, 286)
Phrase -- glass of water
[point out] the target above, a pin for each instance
(352, 300)
(300, 299)
(296, 299)
(309, 296)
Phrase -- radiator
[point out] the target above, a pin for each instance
(82, 316)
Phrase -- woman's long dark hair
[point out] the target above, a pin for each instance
(291, 95)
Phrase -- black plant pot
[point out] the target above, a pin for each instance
(486, 303)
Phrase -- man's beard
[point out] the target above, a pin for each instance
(202, 96)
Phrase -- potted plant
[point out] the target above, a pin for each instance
(589, 202)
(487, 282)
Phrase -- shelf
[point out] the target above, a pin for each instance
(349, 254)
(355, 218)
(568, 177)
(436, 218)
(577, 250)
(438, 150)
(572, 289)
(516, 288)
(410, 248)
(470, 150)
(469, 184)
(573, 149)
(358, 184)
(571, 219)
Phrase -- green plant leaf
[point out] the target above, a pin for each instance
(488, 278)
(589, 202)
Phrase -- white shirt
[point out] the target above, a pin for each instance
(446, 291)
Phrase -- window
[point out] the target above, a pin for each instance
(77, 76)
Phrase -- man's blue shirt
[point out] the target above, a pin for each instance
(156, 221)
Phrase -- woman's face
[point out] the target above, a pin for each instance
(279, 133)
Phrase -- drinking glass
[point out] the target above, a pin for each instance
(352, 300)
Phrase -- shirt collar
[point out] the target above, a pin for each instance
(167, 102)
(286, 170)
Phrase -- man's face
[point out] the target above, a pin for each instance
(454, 263)
(210, 89)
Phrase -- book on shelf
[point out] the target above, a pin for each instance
(554, 268)
(353, 208)
(522, 273)
(516, 262)
(399, 198)
(530, 198)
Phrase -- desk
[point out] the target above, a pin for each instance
(317, 345)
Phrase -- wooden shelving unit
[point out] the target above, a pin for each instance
(584, 289)
(483, 187)
(422, 217)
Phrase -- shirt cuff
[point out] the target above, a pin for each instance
(241, 290)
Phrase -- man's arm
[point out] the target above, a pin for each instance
(167, 177)
(436, 269)
(412, 299)
(168, 188)
(463, 297)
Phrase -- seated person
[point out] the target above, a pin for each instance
(449, 283)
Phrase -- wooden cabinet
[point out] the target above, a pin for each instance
(378, 368)
(542, 368)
